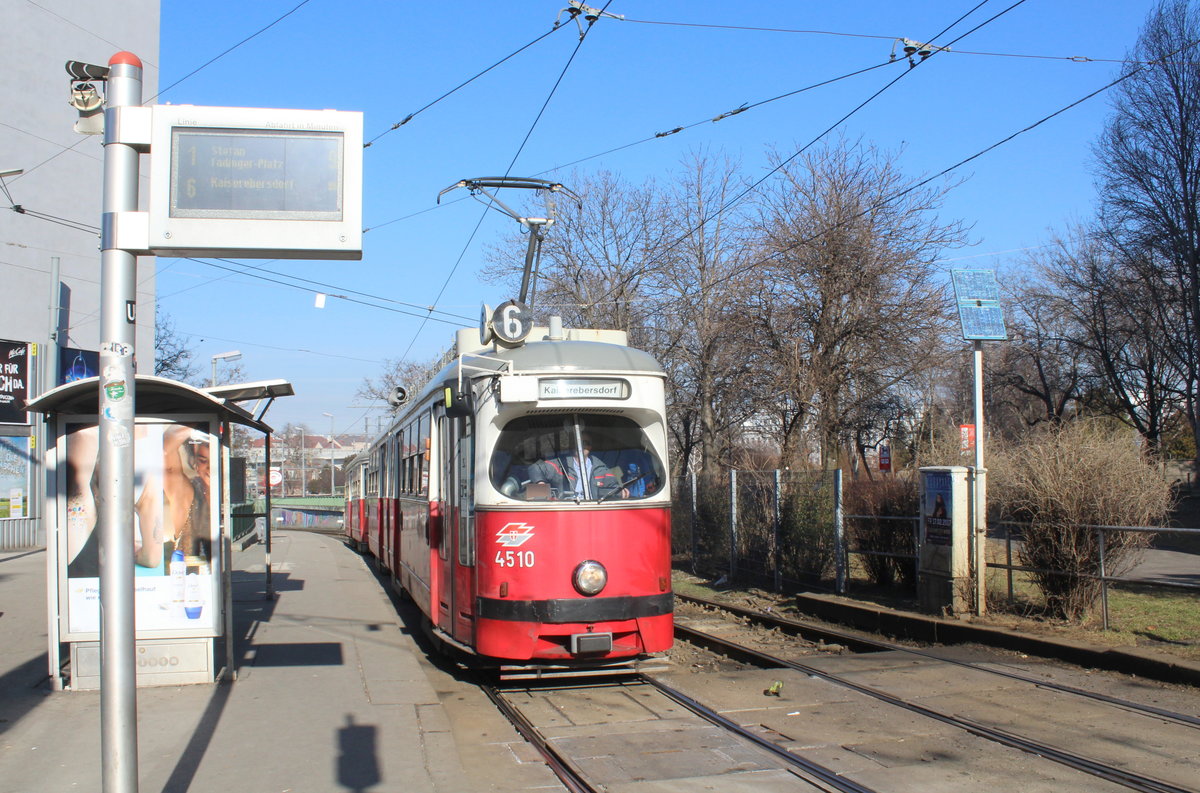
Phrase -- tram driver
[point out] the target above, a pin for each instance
(561, 473)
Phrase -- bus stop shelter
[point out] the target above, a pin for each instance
(180, 538)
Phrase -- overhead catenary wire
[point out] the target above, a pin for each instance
(757, 29)
(673, 131)
(725, 207)
(218, 57)
(541, 111)
(461, 85)
(1029, 127)
(308, 289)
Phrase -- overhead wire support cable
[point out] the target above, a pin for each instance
(333, 290)
(763, 29)
(461, 85)
(935, 50)
(981, 152)
(216, 58)
(341, 297)
(720, 117)
(591, 17)
(666, 133)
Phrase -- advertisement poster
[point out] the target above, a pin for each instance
(14, 381)
(76, 364)
(14, 477)
(938, 508)
(174, 529)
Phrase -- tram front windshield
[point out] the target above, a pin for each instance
(539, 458)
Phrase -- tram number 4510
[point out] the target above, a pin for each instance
(514, 558)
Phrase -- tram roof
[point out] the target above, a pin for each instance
(574, 356)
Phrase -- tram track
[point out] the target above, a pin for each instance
(811, 631)
(1087, 765)
(643, 686)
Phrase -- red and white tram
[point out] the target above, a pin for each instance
(474, 501)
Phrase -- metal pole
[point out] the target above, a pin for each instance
(118, 295)
(980, 512)
(1008, 559)
(267, 532)
(732, 525)
(1103, 581)
(695, 539)
(778, 521)
(839, 535)
(41, 489)
(225, 540)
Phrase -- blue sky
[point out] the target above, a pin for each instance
(628, 80)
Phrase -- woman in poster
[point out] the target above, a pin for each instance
(186, 476)
(83, 541)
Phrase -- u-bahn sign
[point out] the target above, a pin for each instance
(255, 183)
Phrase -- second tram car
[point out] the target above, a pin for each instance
(522, 500)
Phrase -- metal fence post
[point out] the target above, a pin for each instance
(839, 535)
(732, 525)
(1008, 559)
(695, 541)
(775, 552)
(1103, 581)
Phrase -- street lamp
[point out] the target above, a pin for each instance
(232, 355)
(331, 487)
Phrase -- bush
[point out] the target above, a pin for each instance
(807, 551)
(877, 500)
(1062, 480)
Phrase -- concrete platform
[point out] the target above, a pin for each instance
(330, 694)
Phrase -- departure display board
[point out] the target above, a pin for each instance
(218, 173)
(265, 183)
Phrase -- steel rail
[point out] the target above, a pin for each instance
(1096, 768)
(571, 778)
(854, 641)
(802, 766)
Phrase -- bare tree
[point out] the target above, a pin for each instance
(1148, 163)
(849, 302)
(173, 358)
(1041, 373)
(699, 284)
(1125, 326)
(411, 375)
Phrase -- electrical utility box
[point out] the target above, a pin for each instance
(944, 573)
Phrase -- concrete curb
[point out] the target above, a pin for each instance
(919, 627)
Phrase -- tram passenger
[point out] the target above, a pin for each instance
(561, 473)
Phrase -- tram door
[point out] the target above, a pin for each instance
(455, 542)
(463, 556)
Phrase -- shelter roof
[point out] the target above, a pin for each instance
(155, 396)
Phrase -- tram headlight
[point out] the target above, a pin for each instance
(590, 577)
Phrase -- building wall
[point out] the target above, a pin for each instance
(62, 179)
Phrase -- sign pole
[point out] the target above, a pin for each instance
(981, 317)
(118, 293)
(980, 490)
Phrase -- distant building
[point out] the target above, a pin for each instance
(300, 459)
(50, 215)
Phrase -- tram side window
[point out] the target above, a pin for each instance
(536, 459)
(423, 444)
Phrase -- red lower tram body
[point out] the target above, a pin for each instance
(517, 602)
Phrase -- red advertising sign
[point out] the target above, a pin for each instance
(885, 458)
(967, 437)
